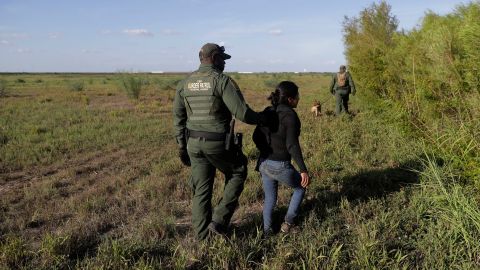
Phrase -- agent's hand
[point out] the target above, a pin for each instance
(262, 119)
(305, 179)
(184, 158)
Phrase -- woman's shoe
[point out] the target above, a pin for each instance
(286, 227)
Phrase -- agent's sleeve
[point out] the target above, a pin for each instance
(292, 125)
(179, 117)
(332, 84)
(233, 98)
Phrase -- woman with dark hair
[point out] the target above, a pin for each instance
(278, 144)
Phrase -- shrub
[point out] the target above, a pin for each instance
(20, 81)
(167, 83)
(271, 83)
(77, 86)
(132, 85)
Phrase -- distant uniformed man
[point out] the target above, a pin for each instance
(202, 111)
(341, 86)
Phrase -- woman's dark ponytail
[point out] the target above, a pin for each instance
(274, 98)
(283, 91)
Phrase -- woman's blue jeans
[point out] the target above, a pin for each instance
(274, 172)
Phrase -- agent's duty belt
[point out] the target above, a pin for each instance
(209, 136)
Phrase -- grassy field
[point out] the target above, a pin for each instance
(90, 179)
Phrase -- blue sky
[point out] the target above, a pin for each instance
(165, 35)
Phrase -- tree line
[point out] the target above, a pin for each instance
(431, 72)
(437, 60)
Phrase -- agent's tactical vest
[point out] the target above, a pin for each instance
(205, 108)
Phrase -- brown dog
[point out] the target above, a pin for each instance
(316, 108)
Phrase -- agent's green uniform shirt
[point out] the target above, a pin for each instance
(342, 93)
(205, 101)
(220, 96)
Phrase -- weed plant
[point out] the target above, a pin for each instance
(132, 85)
(167, 84)
(77, 86)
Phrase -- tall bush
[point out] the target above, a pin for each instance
(132, 85)
(432, 71)
(368, 40)
(77, 86)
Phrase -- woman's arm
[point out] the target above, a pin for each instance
(292, 130)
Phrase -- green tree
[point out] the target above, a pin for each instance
(368, 39)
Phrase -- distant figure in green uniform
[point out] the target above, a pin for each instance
(204, 105)
(341, 86)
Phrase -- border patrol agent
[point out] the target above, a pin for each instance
(341, 86)
(203, 107)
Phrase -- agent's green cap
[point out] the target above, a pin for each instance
(211, 49)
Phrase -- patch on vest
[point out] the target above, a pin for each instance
(342, 79)
(199, 85)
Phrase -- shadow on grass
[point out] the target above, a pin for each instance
(358, 188)
(378, 183)
(365, 186)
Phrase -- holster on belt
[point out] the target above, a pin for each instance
(229, 140)
(233, 141)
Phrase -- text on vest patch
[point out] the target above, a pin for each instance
(199, 86)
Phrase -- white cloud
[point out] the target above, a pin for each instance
(14, 35)
(275, 32)
(170, 32)
(55, 35)
(138, 32)
(21, 50)
(4, 42)
(20, 36)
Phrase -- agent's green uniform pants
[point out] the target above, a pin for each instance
(206, 157)
(341, 98)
